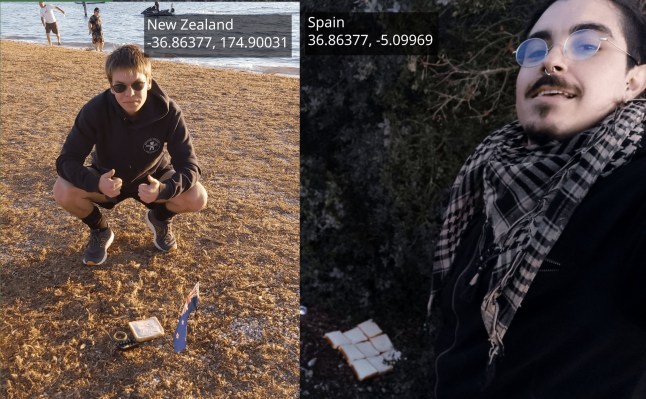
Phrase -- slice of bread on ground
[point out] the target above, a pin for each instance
(370, 328)
(382, 343)
(145, 330)
(355, 335)
(336, 339)
(351, 353)
(367, 349)
(363, 369)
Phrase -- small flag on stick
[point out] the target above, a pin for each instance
(179, 339)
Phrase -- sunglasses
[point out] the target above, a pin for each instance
(580, 45)
(136, 86)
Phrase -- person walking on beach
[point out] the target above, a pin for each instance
(142, 150)
(539, 268)
(95, 28)
(49, 20)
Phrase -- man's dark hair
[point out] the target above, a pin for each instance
(96, 9)
(633, 22)
(129, 57)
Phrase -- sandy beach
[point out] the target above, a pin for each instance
(58, 315)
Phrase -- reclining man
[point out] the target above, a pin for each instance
(539, 268)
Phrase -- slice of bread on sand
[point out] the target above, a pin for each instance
(145, 330)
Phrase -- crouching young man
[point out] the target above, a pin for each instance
(128, 125)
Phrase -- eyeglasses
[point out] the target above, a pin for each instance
(136, 86)
(580, 45)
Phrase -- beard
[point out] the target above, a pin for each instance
(541, 133)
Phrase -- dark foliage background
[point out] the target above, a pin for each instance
(382, 139)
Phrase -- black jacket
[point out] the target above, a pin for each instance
(581, 329)
(134, 149)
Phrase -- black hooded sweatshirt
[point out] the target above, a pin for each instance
(133, 148)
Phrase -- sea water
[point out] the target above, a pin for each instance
(123, 23)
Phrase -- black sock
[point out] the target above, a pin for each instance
(162, 213)
(95, 220)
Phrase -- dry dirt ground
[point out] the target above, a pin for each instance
(57, 314)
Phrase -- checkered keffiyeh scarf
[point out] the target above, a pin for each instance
(528, 194)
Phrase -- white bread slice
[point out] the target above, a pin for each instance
(363, 369)
(370, 328)
(367, 349)
(336, 339)
(382, 343)
(355, 335)
(145, 330)
(351, 353)
(379, 363)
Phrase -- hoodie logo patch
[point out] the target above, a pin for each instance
(152, 145)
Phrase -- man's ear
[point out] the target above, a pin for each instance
(636, 83)
(150, 82)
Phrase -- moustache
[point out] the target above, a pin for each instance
(552, 81)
